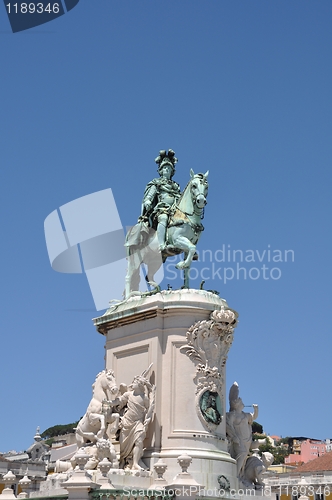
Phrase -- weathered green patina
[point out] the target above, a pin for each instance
(169, 224)
(210, 407)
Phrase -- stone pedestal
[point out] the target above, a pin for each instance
(7, 493)
(153, 329)
(80, 483)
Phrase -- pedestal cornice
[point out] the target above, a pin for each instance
(138, 308)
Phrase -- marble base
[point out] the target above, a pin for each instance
(145, 330)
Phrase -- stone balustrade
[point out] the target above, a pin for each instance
(289, 480)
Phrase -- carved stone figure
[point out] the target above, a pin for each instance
(239, 429)
(208, 343)
(139, 402)
(93, 426)
(169, 224)
(254, 469)
(103, 448)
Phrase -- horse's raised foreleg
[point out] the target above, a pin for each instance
(189, 248)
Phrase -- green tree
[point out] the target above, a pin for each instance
(59, 430)
(257, 428)
(279, 452)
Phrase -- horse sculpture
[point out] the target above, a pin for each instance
(93, 425)
(183, 232)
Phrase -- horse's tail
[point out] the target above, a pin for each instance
(134, 236)
(138, 236)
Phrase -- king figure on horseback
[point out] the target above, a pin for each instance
(160, 196)
(169, 224)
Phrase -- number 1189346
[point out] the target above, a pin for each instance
(31, 8)
(304, 490)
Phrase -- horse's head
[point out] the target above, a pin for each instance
(106, 381)
(112, 387)
(199, 188)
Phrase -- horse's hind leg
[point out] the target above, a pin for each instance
(132, 276)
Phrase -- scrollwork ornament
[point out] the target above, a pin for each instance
(208, 343)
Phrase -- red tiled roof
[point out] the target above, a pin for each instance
(318, 464)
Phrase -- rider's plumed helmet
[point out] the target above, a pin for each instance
(166, 157)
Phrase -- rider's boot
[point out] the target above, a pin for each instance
(161, 234)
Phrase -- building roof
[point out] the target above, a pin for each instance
(18, 457)
(65, 452)
(303, 438)
(322, 463)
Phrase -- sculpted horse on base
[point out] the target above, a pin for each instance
(93, 425)
(183, 232)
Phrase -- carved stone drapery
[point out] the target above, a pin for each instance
(208, 343)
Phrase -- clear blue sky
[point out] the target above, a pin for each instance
(242, 88)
